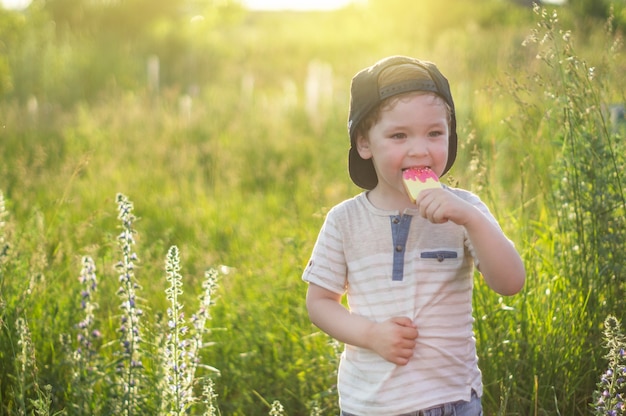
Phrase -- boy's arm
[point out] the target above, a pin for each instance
(394, 339)
(499, 262)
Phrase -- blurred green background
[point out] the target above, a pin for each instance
(226, 127)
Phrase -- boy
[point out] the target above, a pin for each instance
(406, 268)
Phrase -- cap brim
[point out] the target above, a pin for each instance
(361, 170)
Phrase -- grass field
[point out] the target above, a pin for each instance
(152, 243)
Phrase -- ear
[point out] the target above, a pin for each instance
(363, 147)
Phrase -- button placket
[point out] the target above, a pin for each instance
(400, 225)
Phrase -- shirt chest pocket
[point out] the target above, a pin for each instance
(440, 260)
(439, 255)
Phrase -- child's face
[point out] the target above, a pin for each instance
(412, 132)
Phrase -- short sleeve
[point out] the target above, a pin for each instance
(327, 264)
(480, 205)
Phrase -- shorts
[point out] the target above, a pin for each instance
(460, 408)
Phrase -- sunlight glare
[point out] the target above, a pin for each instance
(15, 4)
(295, 5)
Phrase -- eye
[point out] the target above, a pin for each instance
(435, 133)
(398, 136)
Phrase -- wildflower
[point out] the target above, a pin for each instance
(130, 366)
(180, 354)
(277, 409)
(611, 388)
(209, 398)
(177, 396)
(85, 354)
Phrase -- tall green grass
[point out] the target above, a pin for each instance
(573, 246)
(241, 184)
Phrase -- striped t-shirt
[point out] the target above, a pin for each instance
(400, 264)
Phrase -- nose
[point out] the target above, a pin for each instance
(417, 147)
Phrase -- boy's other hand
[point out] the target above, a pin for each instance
(394, 339)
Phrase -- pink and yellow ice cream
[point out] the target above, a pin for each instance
(417, 179)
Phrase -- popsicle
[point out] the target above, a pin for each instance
(417, 179)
